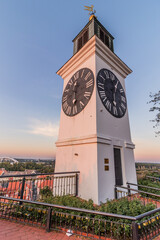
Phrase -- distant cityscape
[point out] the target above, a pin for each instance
(22, 166)
(25, 160)
(147, 166)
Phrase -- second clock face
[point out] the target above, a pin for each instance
(78, 92)
(111, 93)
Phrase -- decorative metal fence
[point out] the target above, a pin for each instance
(153, 179)
(132, 193)
(88, 223)
(32, 187)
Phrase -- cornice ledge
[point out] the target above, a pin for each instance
(84, 140)
(129, 145)
(104, 139)
(82, 55)
(111, 58)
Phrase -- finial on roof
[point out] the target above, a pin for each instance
(91, 11)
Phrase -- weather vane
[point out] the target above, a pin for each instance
(90, 9)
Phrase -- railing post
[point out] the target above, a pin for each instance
(129, 191)
(115, 193)
(22, 190)
(49, 215)
(76, 178)
(135, 235)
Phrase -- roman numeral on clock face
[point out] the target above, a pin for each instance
(66, 90)
(108, 105)
(70, 82)
(102, 93)
(104, 99)
(65, 105)
(115, 111)
(123, 106)
(87, 95)
(89, 83)
(101, 85)
(74, 109)
(68, 110)
(82, 73)
(106, 73)
(120, 110)
(112, 76)
(102, 77)
(81, 104)
(76, 76)
(121, 90)
(123, 99)
(64, 98)
(87, 76)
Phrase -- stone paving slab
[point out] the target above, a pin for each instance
(15, 231)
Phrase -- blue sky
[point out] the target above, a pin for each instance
(36, 40)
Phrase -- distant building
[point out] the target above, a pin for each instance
(8, 159)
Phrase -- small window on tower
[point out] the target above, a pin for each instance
(85, 37)
(106, 40)
(79, 43)
(82, 39)
(102, 35)
(112, 45)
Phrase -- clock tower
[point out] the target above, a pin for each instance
(94, 133)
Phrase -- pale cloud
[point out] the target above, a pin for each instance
(45, 128)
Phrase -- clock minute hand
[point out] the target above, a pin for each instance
(74, 97)
(74, 93)
(115, 86)
(114, 97)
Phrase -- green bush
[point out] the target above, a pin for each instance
(70, 201)
(150, 183)
(121, 206)
(125, 207)
(46, 192)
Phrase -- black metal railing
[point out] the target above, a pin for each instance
(143, 186)
(157, 179)
(34, 186)
(132, 193)
(89, 223)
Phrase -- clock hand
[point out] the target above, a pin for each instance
(114, 99)
(74, 97)
(74, 92)
(74, 86)
(114, 92)
(115, 86)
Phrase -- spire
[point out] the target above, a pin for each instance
(93, 27)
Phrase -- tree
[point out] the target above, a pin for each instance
(155, 101)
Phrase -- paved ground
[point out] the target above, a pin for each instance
(15, 231)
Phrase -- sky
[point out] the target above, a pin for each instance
(36, 40)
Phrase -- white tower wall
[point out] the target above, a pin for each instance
(89, 137)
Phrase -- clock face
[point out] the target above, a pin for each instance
(78, 92)
(111, 93)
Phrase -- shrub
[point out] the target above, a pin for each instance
(46, 192)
